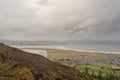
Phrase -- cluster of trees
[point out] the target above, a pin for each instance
(99, 74)
(102, 72)
(108, 76)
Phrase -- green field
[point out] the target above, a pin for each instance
(65, 54)
(100, 71)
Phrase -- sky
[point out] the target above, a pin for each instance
(60, 19)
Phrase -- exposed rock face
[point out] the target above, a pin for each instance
(19, 65)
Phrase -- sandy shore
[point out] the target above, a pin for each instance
(58, 47)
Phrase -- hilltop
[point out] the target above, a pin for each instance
(16, 64)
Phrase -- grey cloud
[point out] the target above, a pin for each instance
(60, 18)
(81, 26)
(42, 2)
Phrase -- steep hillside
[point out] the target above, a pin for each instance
(19, 65)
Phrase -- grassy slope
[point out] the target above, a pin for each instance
(19, 65)
(65, 54)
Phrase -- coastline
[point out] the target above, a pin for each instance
(61, 48)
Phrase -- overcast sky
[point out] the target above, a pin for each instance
(60, 19)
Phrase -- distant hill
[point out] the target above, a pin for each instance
(19, 65)
(32, 42)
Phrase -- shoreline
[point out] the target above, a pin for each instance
(61, 48)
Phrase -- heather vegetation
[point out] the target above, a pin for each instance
(19, 65)
(13, 72)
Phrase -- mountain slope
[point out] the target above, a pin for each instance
(19, 65)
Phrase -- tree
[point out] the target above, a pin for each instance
(100, 75)
(92, 73)
(86, 69)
